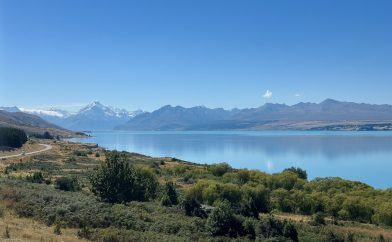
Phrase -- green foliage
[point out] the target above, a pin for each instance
(383, 214)
(300, 172)
(355, 208)
(219, 169)
(222, 221)
(192, 207)
(169, 194)
(318, 218)
(37, 177)
(289, 231)
(116, 180)
(66, 183)
(11, 137)
(45, 135)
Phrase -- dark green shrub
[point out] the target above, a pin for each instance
(192, 207)
(222, 221)
(318, 218)
(37, 177)
(170, 192)
(300, 172)
(11, 137)
(67, 184)
(116, 180)
(289, 231)
(45, 135)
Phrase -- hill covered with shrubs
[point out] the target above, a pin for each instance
(120, 196)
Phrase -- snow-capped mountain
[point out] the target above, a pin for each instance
(94, 116)
(10, 109)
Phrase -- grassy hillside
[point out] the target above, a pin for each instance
(31, 124)
(183, 201)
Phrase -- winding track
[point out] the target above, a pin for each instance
(47, 147)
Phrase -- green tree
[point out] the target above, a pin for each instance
(219, 169)
(116, 180)
(11, 137)
(222, 221)
(383, 214)
(67, 183)
(170, 192)
(300, 172)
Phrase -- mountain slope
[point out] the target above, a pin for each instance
(30, 123)
(329, 114)
(97, 116)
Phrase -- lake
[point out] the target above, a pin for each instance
(360, 156)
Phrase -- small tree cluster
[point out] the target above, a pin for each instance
(116, 180)
(11, 137)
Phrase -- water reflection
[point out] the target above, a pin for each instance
(358, 156)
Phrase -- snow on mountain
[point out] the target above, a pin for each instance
(10, 109)
(50, 112)
(94, 116)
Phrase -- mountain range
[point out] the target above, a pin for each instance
(94, 116)
(327, 115)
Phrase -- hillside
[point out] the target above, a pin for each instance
(60, 192)
(327, 115)
(31, 124)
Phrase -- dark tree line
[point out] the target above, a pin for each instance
(11, 137)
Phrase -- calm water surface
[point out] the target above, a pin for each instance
(360, 156)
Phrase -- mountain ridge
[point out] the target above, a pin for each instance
(303, 116)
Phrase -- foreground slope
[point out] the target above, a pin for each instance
(55, 189)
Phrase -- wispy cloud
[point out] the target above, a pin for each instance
(297, 95)
(267, 94)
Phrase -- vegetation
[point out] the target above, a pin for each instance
(116, 180)
(45, 135)
(120, 196)
(11, 137)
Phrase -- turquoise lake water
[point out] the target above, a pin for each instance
(360, 156)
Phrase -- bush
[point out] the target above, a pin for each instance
(45, 135)
(67, 184)
(318, 218)
(169, 195)
(383, 214)
(219, 169)
(11, 137)
(222, 222)
(192, 207)
(289, 231)
(37, 177)
(116, 180)
(300, 172)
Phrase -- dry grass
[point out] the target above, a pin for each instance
(23, 229)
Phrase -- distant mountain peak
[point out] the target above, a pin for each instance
(330, 101)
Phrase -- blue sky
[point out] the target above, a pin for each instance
(225, 53)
